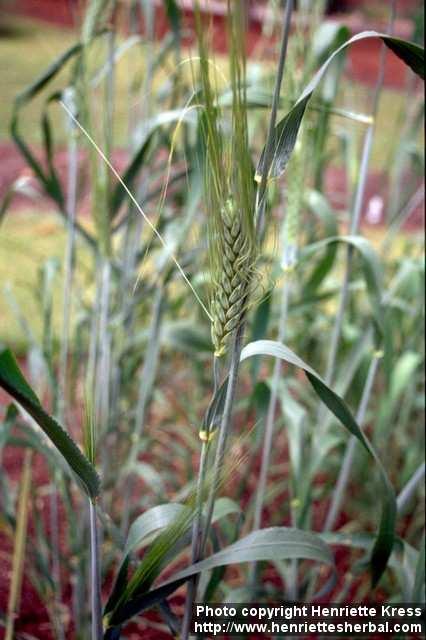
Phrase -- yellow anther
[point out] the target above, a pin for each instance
(206, 436)
(378, 353)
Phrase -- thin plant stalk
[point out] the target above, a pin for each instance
(414, 202)
(345, 469)
(95, 564)
(410, 489)
(104, 348)
(93, 333)
(285, 292)
(71, 207)
(69, 255)
(197, 540)
(354, 227)
(269, 427)
(56, 564)
(289, 260)
(270, 418)
(147, 380)
(90, 445)
(261, 192)
(102, 393)
(19, 547)
(224, 428)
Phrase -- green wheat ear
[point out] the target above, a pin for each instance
(232, 280)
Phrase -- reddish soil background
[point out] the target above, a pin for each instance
(363, 60)
(13, 166)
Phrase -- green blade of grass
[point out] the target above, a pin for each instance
(173, 521)
(371, 268)
(287, 129)
(12, 381)
(267, 544)
(48, 179)
(386, 531)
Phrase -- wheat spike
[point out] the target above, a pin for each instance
(232, 281)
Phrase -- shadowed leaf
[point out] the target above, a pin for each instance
(287, 129)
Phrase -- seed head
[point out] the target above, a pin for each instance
(232, 280)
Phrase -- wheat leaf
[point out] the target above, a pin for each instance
(287, 129)
(12, 381)
(386, 532)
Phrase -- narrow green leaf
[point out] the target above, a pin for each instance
(40, 83)
(173, 521)
(174, 15)
(151, 521)
(48, 179)
(320, 208)
(287, 129)
(7, 424)
(412, 54)
(163, 515)
(371, 267)
(214, 411)
(404, 561)
(266, 544)
(386, 532)
(12, 381)
(119, 193)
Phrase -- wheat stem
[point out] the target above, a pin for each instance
(410, 489)
(19, 546)
(95, 564)
(270, 418)
(196, 542)
(69, 256)
(146, 384)
(223, 429)
(348, 458)
(261, 192)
